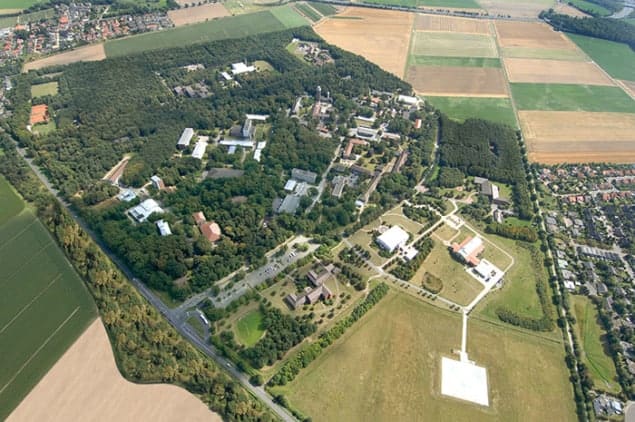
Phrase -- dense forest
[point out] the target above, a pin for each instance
(604, 28)
(486, 149)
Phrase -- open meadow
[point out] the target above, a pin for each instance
(44, 306)
(42, 90)
(386, 46)
(388, 368)
(85, 385)
(17, 5)
(592, 338)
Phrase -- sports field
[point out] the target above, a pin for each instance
(388, 368)
(453, 44)
(616, 58)
(248, 328)
(272, 20)
(44, 305)
(592, 338)
(386, 46)
(42, 90)
(461, 108)
(564, 97)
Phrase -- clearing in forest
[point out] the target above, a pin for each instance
(555, 71)
(380, 36)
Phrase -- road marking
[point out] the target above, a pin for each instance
(25, 307)
(38, 350)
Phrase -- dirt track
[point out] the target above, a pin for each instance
(89, 53)
(457, 81)
(196, 14)
(555, 71)
(564, 136)
(85, 385)
(381, 36)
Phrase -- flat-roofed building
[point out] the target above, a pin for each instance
(186, 138)
(240, 68)
(290, 185)
(157, 182)
(142, 211)
(469, 249)
(199, 150)
(164, 228)
(303, 175)
(393, 238)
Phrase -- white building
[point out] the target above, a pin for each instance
(127, 195)
(393, 238)
(186, 138)
(164, 228)
(290, 185)
(157, 182)
(239, 68)
(469, 250)
(142, 211)
(406, 99)
(199, 150)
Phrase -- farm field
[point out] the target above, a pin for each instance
(544, 53)
(94, 52)
(248, 330)
(85, 384)
(11, 203)
(388, 368)
(323, 8)
(451, 24)
(616, 58)
(7, 21)
(461, 108)
(453, 44)
(387, 46)
(454, 61)
(590, 335)
(276, 19)
(452, 4)
(43, 90)
(565, 9)
(43, 308)
(460, 81)
(516, 8)
(629, 86)
(555, 71)
(15, 5)
(563, 136)
(591, 7)
(531, 35)
(564, 97)
(195, 14)
(308, 11)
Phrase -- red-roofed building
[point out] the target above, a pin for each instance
(199, 218)
(210, 230)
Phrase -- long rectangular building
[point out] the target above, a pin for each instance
(186, 138)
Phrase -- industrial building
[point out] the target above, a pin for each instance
(393, 238)
(240, 68)
(199, 149)
(142, 211)
(469, 249)
(186, 138)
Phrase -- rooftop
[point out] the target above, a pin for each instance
(393, 238)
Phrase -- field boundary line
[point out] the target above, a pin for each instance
(18, 234)
(25, 307)
(39, 349)
(39, 251)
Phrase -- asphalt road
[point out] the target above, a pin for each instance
(175, 318)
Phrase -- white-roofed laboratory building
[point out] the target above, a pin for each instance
(186, 138)
(164, 228)
(142, 211)
(199, 150)
(393, 238)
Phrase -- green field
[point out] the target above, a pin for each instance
(454, 61)
(543, 53)
(18, 4)
(453, 44)
(8, 21)
(590, 334)
(458, 4)
(388, 368)
(44, 305)
(323, 8)
(248, 328)
(591, 8)
(276, 19)
(11, 203)
(308, 11)
(564, 97)
(461, 108)
(616, 58)
(43, 90)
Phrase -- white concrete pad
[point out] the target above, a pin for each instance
(464, 380)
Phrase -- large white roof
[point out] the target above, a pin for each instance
(471, 247)
(393, 238)
(199, 149)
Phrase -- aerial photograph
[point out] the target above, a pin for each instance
(317, 210)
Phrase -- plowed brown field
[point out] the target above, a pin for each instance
(381, 36)
(89, 53)
(555, 71)
(564, 136)
(450, 24)
(458, 81)
(85, 385)
(532, 35)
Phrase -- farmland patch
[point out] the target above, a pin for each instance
(450, 24)
(461, 81)
(194, 14)
(531, 35)
(453, 44)
(555, 71)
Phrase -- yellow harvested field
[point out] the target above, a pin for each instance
(89, 53)
(516, 8)
(380, 36)
(85, 385)
(451, 24)
(555, 71)
(565, 9)
(453, 44)
(577, 137)
(531, 35)
(458, 81)
(196, 14)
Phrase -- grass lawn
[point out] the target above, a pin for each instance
(564, 97)
(453, 61)
(11, 202)
(387, 368)
(45, 128)
(248, 328)
(461, 108)
(240, 26)
(44, 305)
(308, 11)
(42, 90)
(616, 58)
(587, 6)
(591, 337)
(453, 44)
